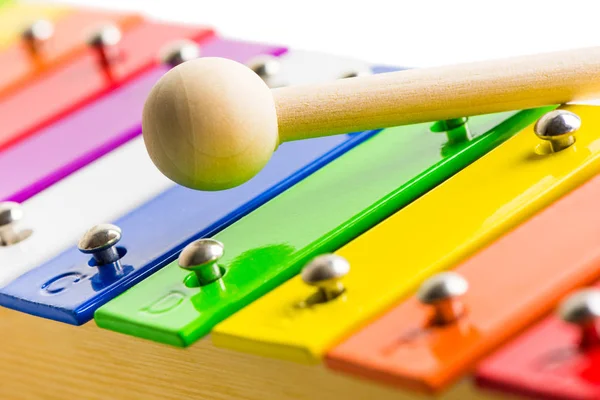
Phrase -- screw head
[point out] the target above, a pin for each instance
(105, 36)
(265, 66)
(324, 269)
(99, 237)
(557, 124)
(39, 31)
(10, 212)
(180, 52)
(442, 286)
(354, 74)
(581, 307)
(200, 253)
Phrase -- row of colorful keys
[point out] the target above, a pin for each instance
(406, 256)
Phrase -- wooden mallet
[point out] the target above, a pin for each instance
(212, 123)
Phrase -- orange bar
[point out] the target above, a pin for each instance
(513, 282)
(20, 65)
(79, 82)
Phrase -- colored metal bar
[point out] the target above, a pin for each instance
(66, 89)
(445, 226)
(318, 214)
(64, 209)
(21, 65)
(67, 289)
(512, 283)
(87, 134)
(546, 360)
(17, 15)
(104, 190)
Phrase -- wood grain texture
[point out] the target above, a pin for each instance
(42, 359)
(432, 94)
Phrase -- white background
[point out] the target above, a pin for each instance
(415, 33)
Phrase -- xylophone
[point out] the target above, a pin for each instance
(156, 244)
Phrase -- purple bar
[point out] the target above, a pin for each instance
(80, 138)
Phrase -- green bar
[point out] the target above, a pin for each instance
(317, 215)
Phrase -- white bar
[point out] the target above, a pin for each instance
(100, 192)
(122, 180)
(299, 67)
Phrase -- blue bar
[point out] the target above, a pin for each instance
(69, 288)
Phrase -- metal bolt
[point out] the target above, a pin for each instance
(456, 129)
(354, 74)
(583, 310)
(180, 52)
(442, 291)
(105, 40)
(265, 66)
(325, 272)
(201, 257)
(38, 33)
(558, 127)
(100, 242)
(10, 214)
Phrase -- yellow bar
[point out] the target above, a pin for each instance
(15, 17)
(434, 233)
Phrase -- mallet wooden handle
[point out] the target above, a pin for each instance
(212, 124)
(432, 94)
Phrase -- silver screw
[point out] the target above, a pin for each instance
(325, 272)
(105, 40)
(10, 215)
(442, 291)
(201, 257)
(179, 52)
(558, 127)
(265, 66)
(583, 310)
(354, 74)
(100, 242)
(38, 33)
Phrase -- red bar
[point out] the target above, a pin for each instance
(545, 363)
(75, 84)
